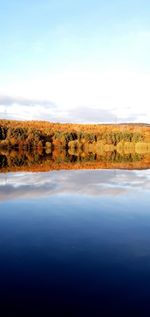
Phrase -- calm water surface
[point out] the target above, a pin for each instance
(75, 243)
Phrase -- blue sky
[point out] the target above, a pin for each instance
(79, 61)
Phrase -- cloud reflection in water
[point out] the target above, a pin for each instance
(91, 183)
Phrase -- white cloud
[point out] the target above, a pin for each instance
(121, 93)
(24, 108)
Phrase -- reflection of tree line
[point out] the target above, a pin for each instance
(112, 157)
(14, 158)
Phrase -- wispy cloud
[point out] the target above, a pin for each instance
(26, 109)
(9, 101)
(91, 114)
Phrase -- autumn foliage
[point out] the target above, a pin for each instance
(27, 134)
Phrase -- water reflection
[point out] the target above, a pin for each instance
(92, 183)
(75, 242)
(41, 160)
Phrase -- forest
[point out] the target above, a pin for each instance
(41, 134)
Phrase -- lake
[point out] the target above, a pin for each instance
(75, 243)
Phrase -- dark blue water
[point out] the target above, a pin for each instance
(75, 243)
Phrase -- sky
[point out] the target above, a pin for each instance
(75, 61)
